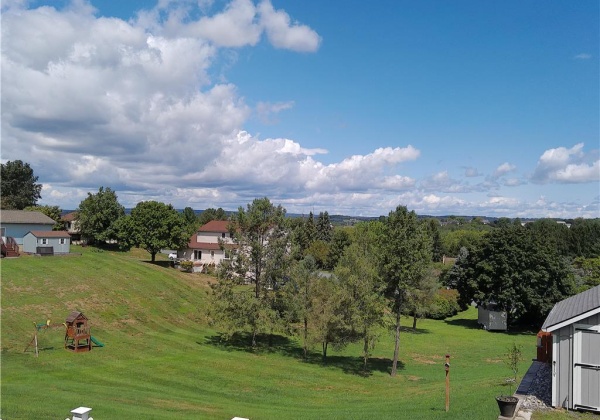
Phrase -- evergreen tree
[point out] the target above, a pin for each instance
(324, 229)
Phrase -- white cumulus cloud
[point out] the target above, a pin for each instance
(562, 165)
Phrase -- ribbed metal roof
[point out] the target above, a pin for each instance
(573, 307)
(26, 217)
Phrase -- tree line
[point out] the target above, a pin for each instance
(332, 285)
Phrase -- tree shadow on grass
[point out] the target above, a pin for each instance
(354, 365)
(273, 343)
(462, 322)
(164, 264)
(411, 330)
(472, 324)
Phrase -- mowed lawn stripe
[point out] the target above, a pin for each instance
(161, 360)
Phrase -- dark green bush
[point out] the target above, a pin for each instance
(445, 304)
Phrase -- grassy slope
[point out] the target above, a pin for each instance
(161, 361)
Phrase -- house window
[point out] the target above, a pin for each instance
(227, 254)
(43, 241)
(197, 254)
(223, 235)
(212, 254)
(3, 231)
(63, 241)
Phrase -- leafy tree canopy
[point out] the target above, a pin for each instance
(97, 213)
(260, 257)
(211, 214)
(406, 256)
(155, 226)
(18, 188)
(513, 271)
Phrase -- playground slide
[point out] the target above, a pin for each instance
(96, 342)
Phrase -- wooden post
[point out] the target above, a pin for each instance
(447, 366)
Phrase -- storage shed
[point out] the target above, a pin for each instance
(47, 242)
(575, 327)
(491, 317)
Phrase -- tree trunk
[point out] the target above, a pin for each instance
(366, 352)
(153, 256)
(396, 342)
(253, 338)
(257, 282)
(414, 321)
(305, 337)
(324, 351)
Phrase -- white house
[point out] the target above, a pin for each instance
(72, 226)
(204, 248)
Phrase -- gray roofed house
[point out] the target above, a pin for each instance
(24, 216)
(575, 326)
(17, 223)
(47, 242)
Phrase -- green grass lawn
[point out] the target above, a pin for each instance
(162, 361)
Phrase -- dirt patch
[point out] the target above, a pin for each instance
(493, 361)
(413, 378)
(426, 360)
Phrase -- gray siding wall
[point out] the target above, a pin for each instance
(30, 244)
(564, 365)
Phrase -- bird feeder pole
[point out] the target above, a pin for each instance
(447, 366)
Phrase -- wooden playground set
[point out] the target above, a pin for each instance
(78, 337)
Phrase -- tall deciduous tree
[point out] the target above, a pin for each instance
(97, 214)
(330, 320)
(420, 298)
(298, 295)
(18, 186)
(364, 302)
(260, 258)
(406, 256)
(157, 226)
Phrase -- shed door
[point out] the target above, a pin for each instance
(586, 367)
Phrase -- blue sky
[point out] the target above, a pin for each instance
(465, 107)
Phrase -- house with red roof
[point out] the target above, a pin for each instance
(204, 247)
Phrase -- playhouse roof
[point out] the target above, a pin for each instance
(75, 315)
(573, 309)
